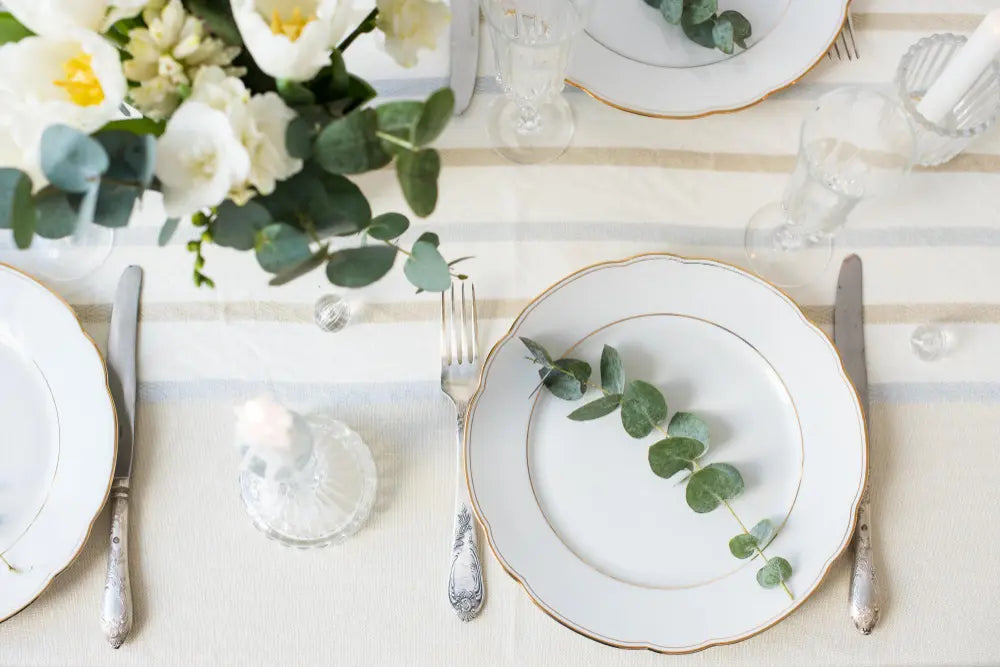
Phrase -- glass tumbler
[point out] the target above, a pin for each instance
(855, 144)
(972, 115)
(532, 40)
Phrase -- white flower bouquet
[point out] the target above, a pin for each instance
(250, 125)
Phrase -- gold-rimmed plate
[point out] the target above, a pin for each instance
(572, 510)
(57, 440)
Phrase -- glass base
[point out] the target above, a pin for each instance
(541, 141)
(779, 254)
(61, 260)
(325, 504)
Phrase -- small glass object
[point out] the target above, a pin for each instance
(975, 112)
(333, 312)
(855, 144)
(61, 260)
(532, 40)
(305, 481)
(930, 342)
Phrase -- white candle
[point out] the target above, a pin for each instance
(963, 70)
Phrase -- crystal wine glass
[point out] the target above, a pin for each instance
(855, 144)
(532, 40)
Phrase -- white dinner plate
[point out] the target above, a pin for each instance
(572, 510)
(58, 436)
(632, 59)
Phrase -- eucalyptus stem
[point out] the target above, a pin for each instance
(393, 139)
(10, 568)
(366, 25)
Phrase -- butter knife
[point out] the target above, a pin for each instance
(849, 336)
(116, 606)
(464, 51)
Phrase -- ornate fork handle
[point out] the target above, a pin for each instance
(116, 606)
(465, 576)
(864, 586)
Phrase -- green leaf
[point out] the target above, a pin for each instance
(398, 119)
(612, 371)
(349, 145)
(643, 408)
(776, 571)
(418, 174)
(653, 3)
(741, 26)
(426, 269)
(430, 237)
(290, 274)
(71, 160)
(131, 157)
(698, 11)
(688, 425)
(538, 353)
(279, 246)
(763, 532)
(605, 405)
(357, 267)
(743, 545)
(56, 217)
(713, 484)
(722, 35)
(700, 33)
(331, 203)
(136, 126)
(671, 455)
(237, 226)
(17, 211)
(388, 226)
(167, 231)
(672, 10)
(299, 138)
(294, 93)
(11, 30)
(569, 383)
(114, 203)
(360, 91)
(435, 116)
(218, 18)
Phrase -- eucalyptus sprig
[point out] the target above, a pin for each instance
(685, 441)
(703, 25)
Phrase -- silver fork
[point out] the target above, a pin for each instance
(459, 376)
(845, 46)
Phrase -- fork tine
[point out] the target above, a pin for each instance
(475, 326)
(836, 48)
(463, 350)
(456, 351)
(445, 356)
(850, 31)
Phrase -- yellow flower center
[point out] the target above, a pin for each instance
(292, 26)
(81, 83)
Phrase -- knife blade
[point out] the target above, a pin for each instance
(849, 336)
(116, 607)
(464, 35)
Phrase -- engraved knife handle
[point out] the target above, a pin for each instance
(465, 574)
(864, 586)
(116, 606)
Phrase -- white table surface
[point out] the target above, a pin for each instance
(210, 590)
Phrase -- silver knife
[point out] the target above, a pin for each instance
(464, 51)
(116, 605)
(849, 335)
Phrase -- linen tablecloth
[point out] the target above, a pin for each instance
(210, 590)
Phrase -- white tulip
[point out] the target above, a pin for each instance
(198, 159)
(410, 25)
(291, 39)
(57, 18)
(75, 80)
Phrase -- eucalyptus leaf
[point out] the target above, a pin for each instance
(398, 119)
(741, 26)
(743, 545)
(331, 203)
(17, 211)
(418, 173)
(299, 138)
(643, 408)
(218, 18)
(167, 231)
(688, 425)
(538, 352)
(671, 455)
(360, 91)
(700, 33)
(653, 3)
(349, 145)
(698, 11)
(280, 246)
(713, 484)
(11, 29)
(388, 226)
(672, 10)
(131, 157)
(56, 217)
(294, 93)
(430, 237)
(357, 267)
(70, 159)
(237, 226)
(774, 573)
(426, 269)
(722, 35)
(136, 126)
(612, 371)
(434, 117)
(569, 382)
(604, 405)
(113, 204)
(301, 269)
(763, 532)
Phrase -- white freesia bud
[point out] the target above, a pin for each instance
(58, 18)
(410, 25)
(198, 159)
(291, 39)
(73, 80)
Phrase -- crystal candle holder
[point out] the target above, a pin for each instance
(975, 112)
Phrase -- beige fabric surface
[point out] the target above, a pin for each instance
(210, 590)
